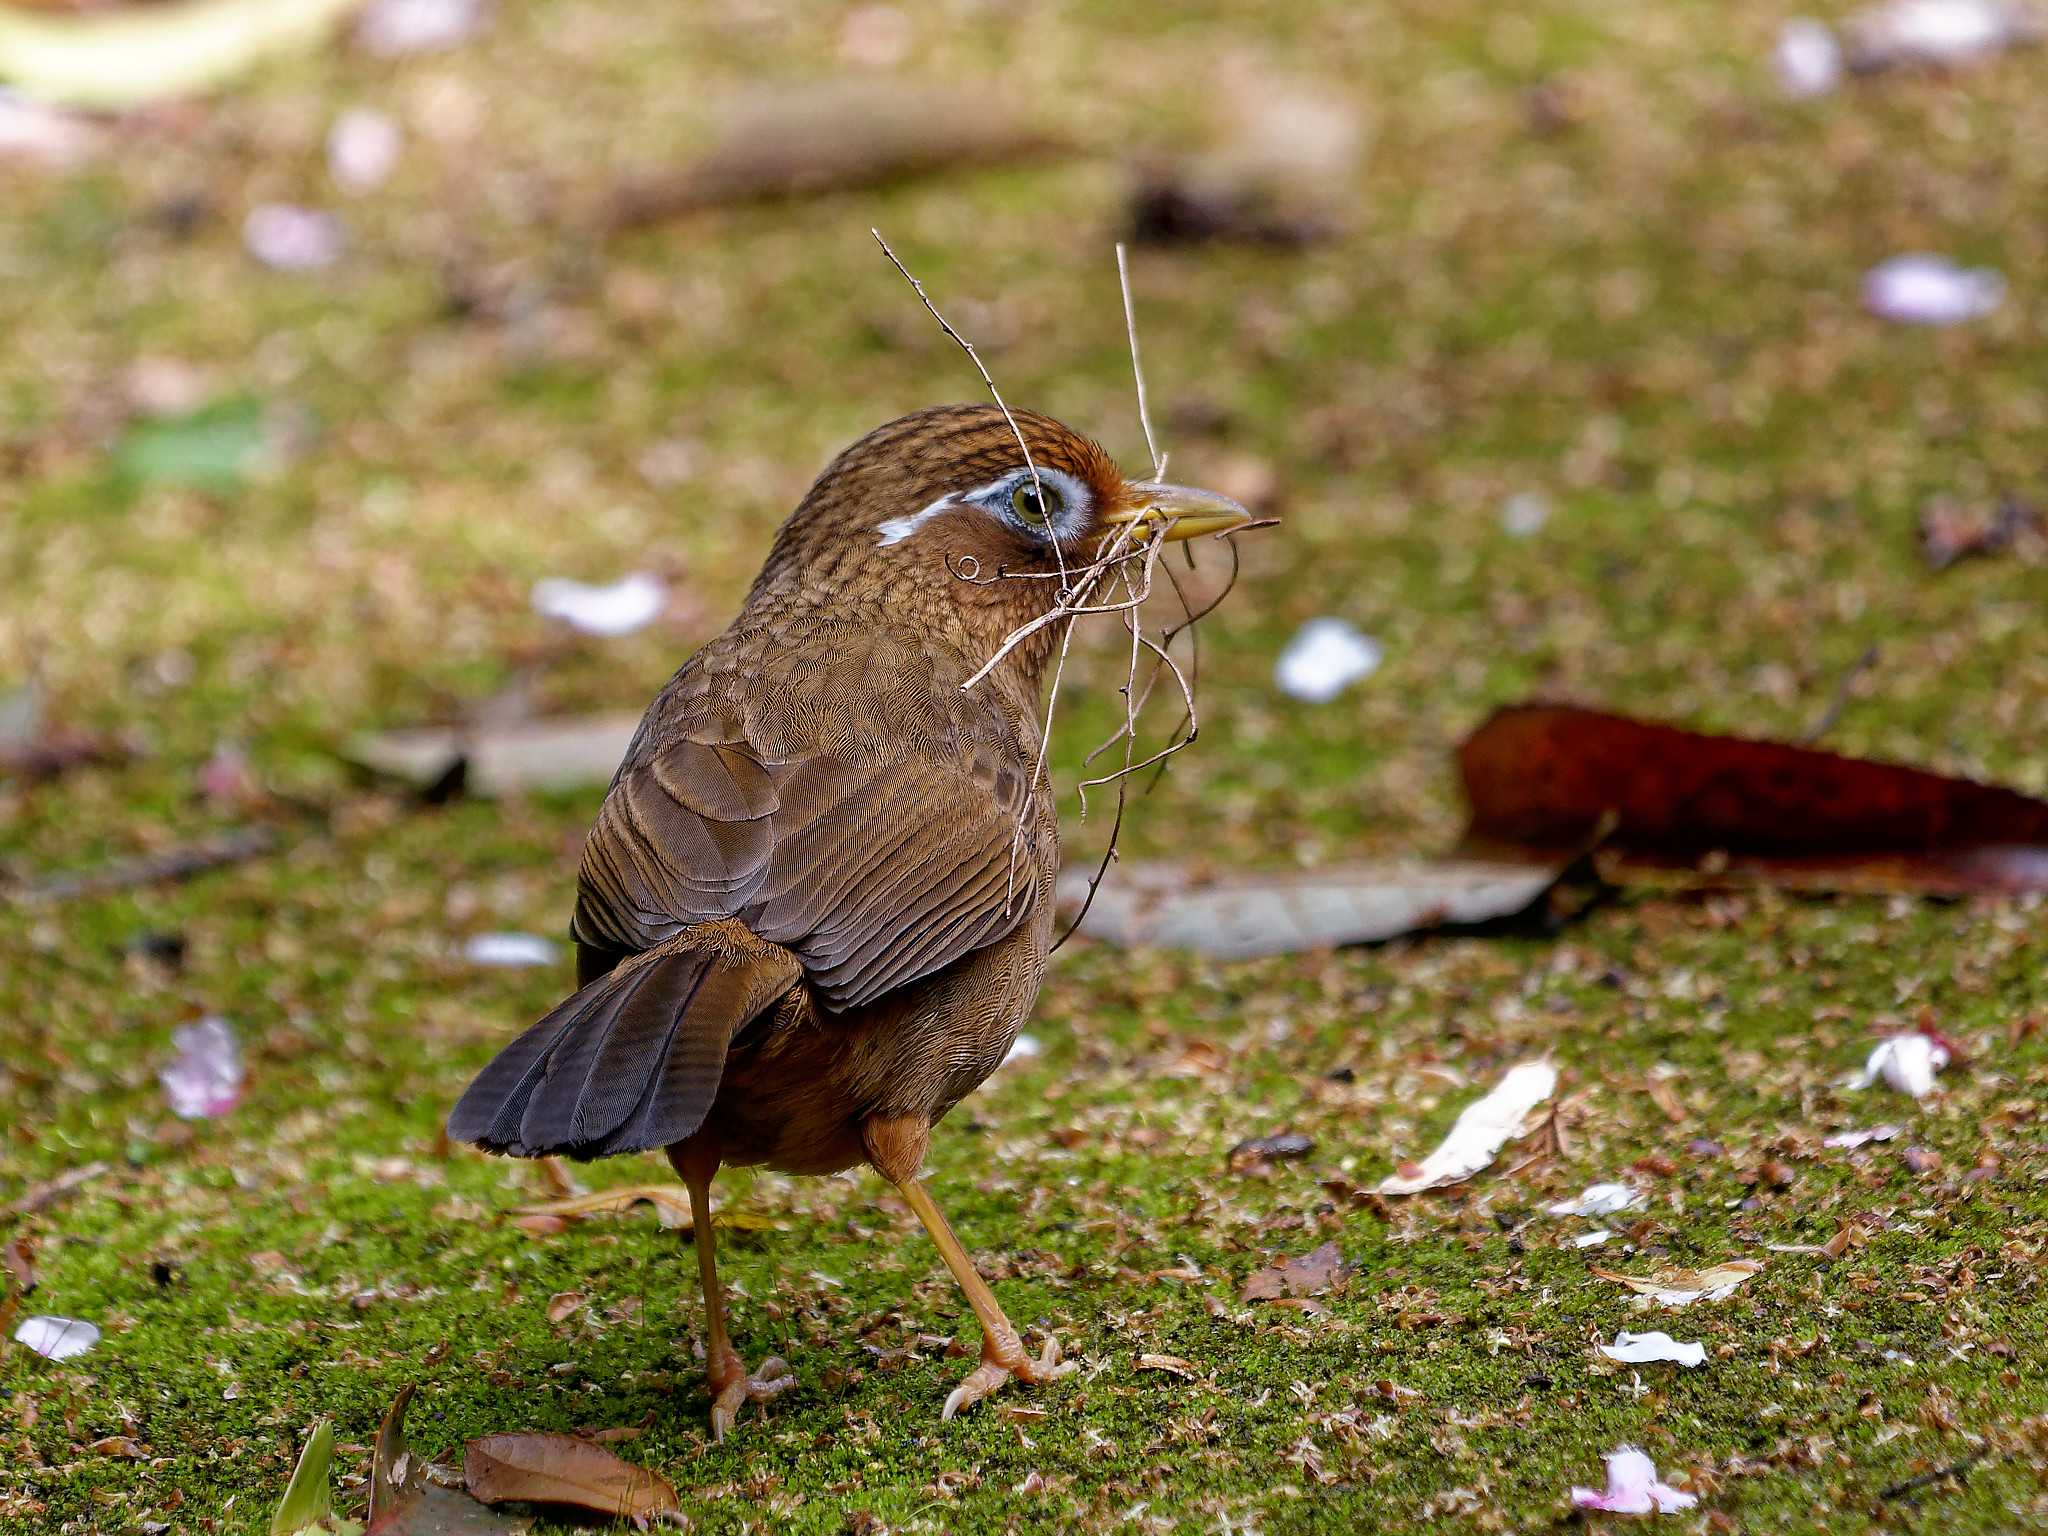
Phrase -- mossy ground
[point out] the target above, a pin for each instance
(1637, 298)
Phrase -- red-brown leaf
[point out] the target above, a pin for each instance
(1541, 779)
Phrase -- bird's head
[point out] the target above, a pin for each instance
(944, 515)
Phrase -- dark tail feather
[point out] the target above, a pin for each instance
(631, 1062)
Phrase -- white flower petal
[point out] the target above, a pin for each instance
(1931, 290)
(1023, 1049)
(362, 149)
(630, 603)
(1632, 1488)
(1644, 1348)
(1858, 1138)
(1325, 657)
(1600, 1200)
(509, 950)
(56, 1338)
(1906, 1062)
(292, 239)
(1481, 1131)
(1808, 59)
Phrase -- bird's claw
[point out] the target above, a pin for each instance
(1000, 1360)
(732, 1389)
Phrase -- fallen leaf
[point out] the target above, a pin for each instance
(1325, 657)
(1952, 530)
(562, 1469)
(503, 757)
(1632, 1488)
(1682, 1287)
(122, 1446)
(1239, 916)
(1481, 1130)
(616, 608)
(799, 141)
(56, 1338)
(671, 1204)
(1315, 1273)
(1544, 780)
(405, 1502)
(204, 1079)
(1647, 1348)
(307, 1499)
(1258, 1151)
(218, 447)
(18, 1258)
(1172, 1364)
(1283, 148)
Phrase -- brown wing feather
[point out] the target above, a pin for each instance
(872, 872)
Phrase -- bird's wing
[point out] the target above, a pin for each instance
(872, 872)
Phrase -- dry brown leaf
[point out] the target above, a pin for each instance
(1315, 1273)
(671, 1204)
(1169, 1363)
(562, 1469)
(1680, 1287)
(18, 1258)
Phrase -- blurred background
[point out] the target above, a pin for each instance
(432, 363)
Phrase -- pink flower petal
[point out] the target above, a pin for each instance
(205, 1078)
(1632, 1488)
(292, 239)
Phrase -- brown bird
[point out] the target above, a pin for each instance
(816, 906)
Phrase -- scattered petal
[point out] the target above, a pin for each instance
(1931, 290)
(1943, 33)
(391, 27)
(630, 603)
(1644, 1348)
(1325, 657)
(1682, 1287)
(362, 149)
(47, 135)
(1858, 1138)
(1592, 1239)
(205, 1077)
(56, 1338)
(292, 239)
(1481, 1131)
(1807, 59)
(1632, 1488)
(1524, 513)
(1906, 1062)
(1600, 1200)
(1023, 1048)
(509, 950)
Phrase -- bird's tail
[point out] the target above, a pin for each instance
(631, 1062)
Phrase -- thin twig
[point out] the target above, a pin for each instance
(1838, 701)
(1123, 277)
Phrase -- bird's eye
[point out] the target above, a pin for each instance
(1035, 504)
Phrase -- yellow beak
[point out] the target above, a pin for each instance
(1180, 511)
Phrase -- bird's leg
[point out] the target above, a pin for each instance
(731, 1385)
(895, 1147)
(1002, 1351)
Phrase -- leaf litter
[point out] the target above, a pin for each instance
(1481, 1130)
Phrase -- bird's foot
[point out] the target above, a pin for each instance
(1001, 1358)
(732, 1388)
